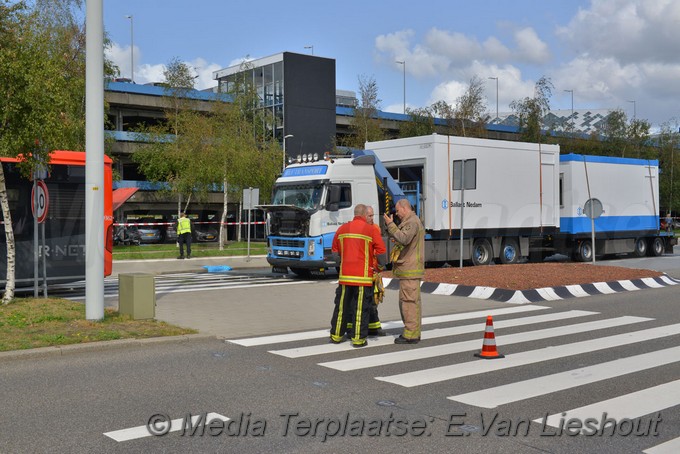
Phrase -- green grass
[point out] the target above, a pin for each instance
(28, 323)
(167, 251)
(42, 322)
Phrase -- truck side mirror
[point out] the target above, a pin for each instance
(333, 198)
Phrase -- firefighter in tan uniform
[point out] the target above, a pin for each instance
(409, 268)
(357, 242)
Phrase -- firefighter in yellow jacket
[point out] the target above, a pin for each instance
(409, 268)
(357, 242)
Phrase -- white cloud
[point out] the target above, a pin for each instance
(616, 51)
(530, 47)
(511, 86)
(120, 56)
(628, 30)
(147, 73)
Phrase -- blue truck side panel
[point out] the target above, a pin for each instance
(580, 225)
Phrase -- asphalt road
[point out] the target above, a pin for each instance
(615, 354)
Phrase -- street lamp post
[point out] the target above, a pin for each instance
(572, 106)
(310, 47)
(132, 49)
(403, 63)
(572, 101)
(496, 79)
(634, 113)
(288, 136)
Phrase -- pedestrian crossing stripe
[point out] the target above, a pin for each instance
(312, 350)
(450, 372)
(471, 345)
(305, 335)
(527, 389)
(628, 406)
(669, 447)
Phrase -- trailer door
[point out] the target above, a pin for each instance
(548, 194)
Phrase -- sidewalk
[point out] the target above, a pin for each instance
(196, 264)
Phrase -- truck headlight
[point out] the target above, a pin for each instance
(310, 248)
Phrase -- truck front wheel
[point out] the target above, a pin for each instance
(482, 253)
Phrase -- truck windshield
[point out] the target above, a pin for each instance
(306, 196)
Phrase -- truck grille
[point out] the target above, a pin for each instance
(288, 243)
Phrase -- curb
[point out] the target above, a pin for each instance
(540, 294)
(64, 350)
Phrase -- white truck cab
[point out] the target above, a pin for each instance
(310, 200)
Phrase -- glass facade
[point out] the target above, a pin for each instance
(267, 82)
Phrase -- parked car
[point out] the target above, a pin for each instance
(205, 233)
(171, 233)
(150, 234)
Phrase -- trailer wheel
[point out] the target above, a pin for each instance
(584, 251)
(509, 251)
(482, 254)
(657, 247)
(640, 247)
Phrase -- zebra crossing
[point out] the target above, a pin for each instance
(636, 405)
(181, 283)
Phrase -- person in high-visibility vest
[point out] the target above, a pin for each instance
(184, 235)
(357, 243)
(374, 325)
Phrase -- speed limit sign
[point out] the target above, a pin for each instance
(40, 201)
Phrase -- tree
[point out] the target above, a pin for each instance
(194, 152)
(669, 144)
(532, 110)
(638, 134)
(614, 131)
(42, 91)
(470, 111)
(420, 123)
(365, 124)
(441, 109)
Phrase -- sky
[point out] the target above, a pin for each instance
(602, 54)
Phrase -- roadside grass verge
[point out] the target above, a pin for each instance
(42, 322)
(170, 250)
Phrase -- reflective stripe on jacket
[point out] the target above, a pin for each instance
(183, 226)
(357, 242)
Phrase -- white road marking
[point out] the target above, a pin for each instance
(134, 433)
(631, 406)
(280, 338)
(540, 386)
(459, 347)
(312, 350)
(669, 447)
(438, 374)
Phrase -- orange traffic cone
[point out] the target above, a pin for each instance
(489, 346)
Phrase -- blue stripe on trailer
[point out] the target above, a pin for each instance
(608, 159)
(581, 224)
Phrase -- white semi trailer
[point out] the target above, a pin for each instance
(479, 200)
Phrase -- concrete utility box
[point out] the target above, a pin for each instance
(137, 295)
